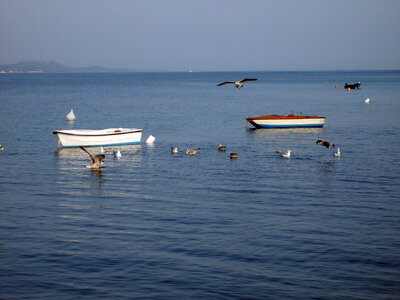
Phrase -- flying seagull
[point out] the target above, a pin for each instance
(326, 144)
(192, 152)
(238, 84)
(96, 161)
(284, 154)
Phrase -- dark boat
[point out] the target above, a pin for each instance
(352, 86)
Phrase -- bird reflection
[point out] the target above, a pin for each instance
(96, 173)
(326, 166)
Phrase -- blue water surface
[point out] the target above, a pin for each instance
(152, 225)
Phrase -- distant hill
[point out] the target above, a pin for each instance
(52, 67)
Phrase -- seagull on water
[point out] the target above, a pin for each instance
(326, 144)
(285, 154)
(96, 161)
(233, 155)
(337, 153)
(174, 150)
(221, 148)
(192, 152)
(367, 100)
(117, 153)
(238, 84)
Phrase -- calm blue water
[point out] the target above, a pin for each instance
(153, 225)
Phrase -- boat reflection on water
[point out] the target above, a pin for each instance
(301, 135)
(284, 131)
(129, 150)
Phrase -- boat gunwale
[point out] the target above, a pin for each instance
(97, 135)
(281, 117)
(103, 145)
(283, 126)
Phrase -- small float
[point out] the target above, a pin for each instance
(102, 137)
(289, 121)
(70, 116)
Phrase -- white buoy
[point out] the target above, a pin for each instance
(70, 116)
(150, 139)
(367, 100)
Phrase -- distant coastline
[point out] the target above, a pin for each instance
(53, 67)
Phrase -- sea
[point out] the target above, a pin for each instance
(156, 225)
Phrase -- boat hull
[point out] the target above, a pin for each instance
(104, 137)
(273, 121)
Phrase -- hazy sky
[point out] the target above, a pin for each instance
(214, 35)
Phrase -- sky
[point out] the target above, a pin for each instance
(204, 35)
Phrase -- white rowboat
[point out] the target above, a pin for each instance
(103, 137)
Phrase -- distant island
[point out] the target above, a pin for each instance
(53, 67)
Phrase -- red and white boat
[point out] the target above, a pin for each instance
(289, 121)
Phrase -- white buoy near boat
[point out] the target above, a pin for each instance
(70, 116)
(367, 100)
(150, 139)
